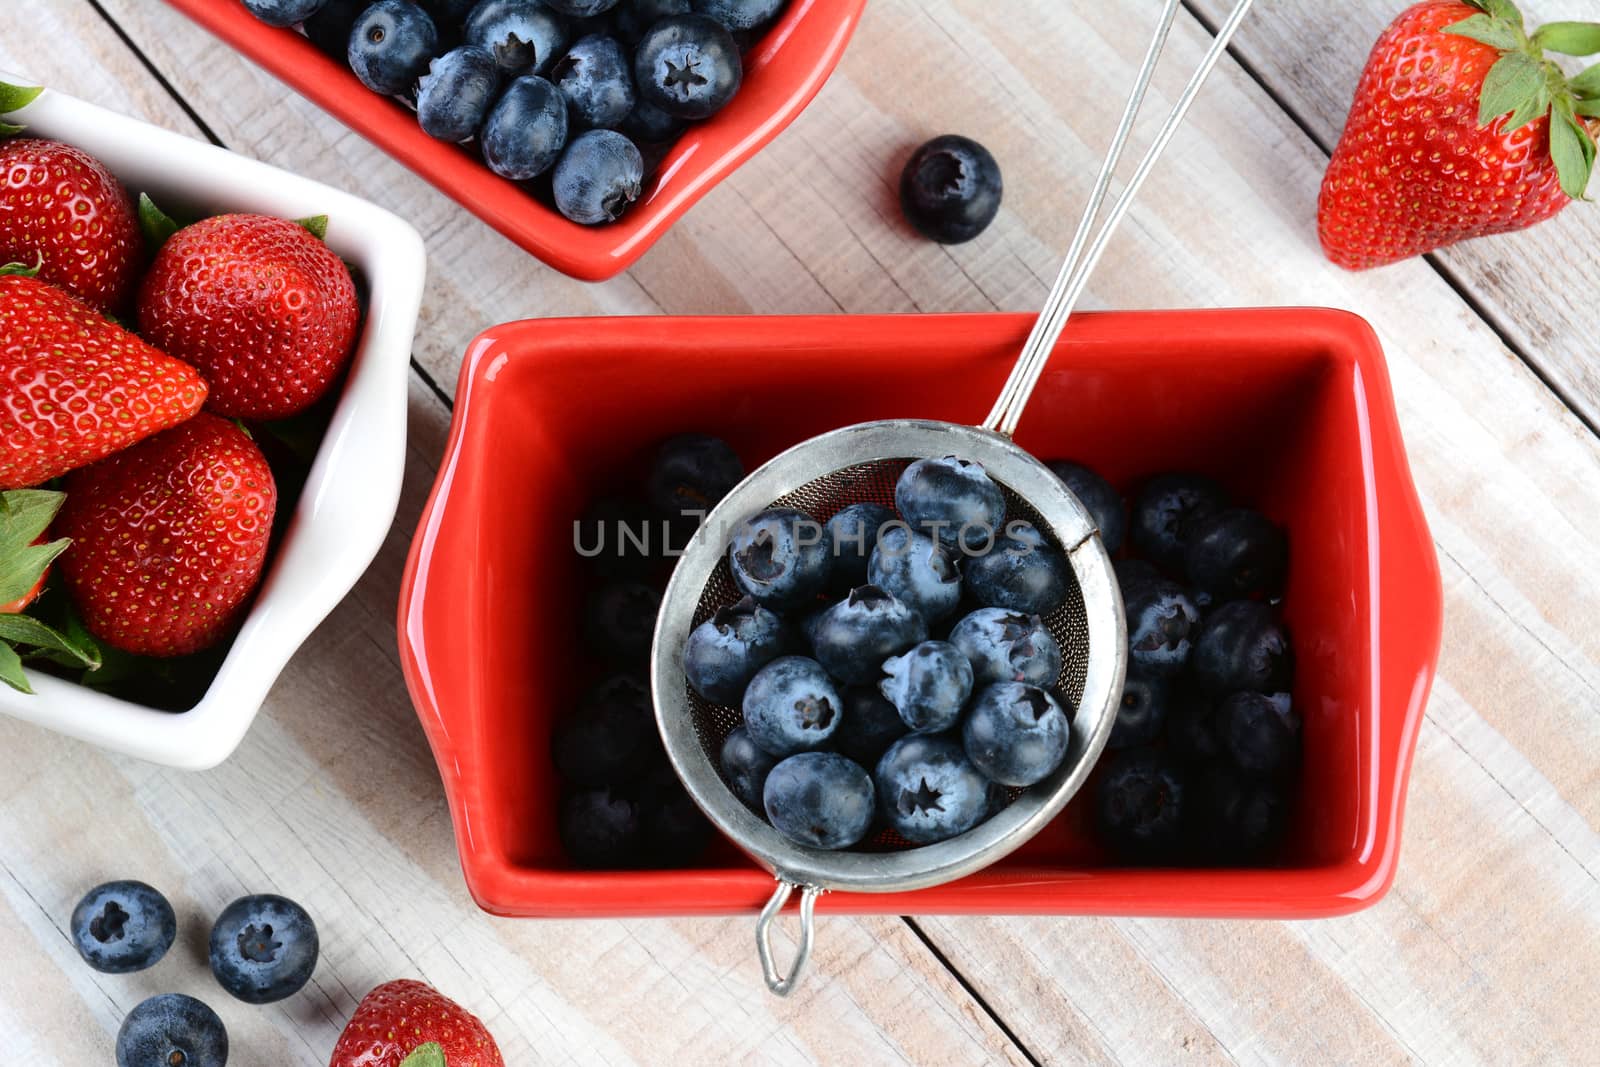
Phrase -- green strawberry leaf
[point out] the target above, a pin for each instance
(86, 655)
(25, 514)
(11, 670)
(17, 97)
(156, 224)
(1569, 38)
(1587, 108)
(22, 269)
(1530, 109)
(429, 1055)
(1496, 33)
(1587, 83)
(1511, 82)
(22, 630)
(1572, 149)
(317, 225)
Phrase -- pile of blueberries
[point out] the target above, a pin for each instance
(263, 949)
(893, 668)
(582, 89)
(1207, 743)
(622, 805)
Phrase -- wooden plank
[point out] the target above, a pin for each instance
(1531, 285)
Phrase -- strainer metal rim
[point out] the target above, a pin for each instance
(1009, 829)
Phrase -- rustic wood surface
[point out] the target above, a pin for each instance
(1488, 947)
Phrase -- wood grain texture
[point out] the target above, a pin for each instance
(1488, 948)
(1532, 286)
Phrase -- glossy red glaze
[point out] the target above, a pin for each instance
(1291, 409)
(782, 75)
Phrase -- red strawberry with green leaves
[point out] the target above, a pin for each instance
(260, 306)
(76, 387)
(1461, 127)
(25, 558)
(62, 209)
(169, 538)
(411, 1024)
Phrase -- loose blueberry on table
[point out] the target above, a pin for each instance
(533, 80)
(950, 189)
(172, 1029)
(122, 927)
(263, 948)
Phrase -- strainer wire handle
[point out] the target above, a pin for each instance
(1080, 263)
(782, 984)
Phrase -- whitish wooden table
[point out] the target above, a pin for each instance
(1488, 947)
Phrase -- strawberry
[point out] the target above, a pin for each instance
(25, 558)
(259, 305)
(411, 1023)
(1460, 128)
(74, 386)
(61, 208)
(169, 537)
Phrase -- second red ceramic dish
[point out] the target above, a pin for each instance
(1290, 409)
(782, 75)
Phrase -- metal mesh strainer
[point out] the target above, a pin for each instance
(860, 463)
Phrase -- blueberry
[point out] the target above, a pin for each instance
(598, 85)
(870, 724)
(263, 948)
(791, 705)
(1260, 734)
(121, 927)
(928, 685)
(951, 189)
(1132, 573)
(524, 36)
(390, 45)
(687, 66)
(582, 9)
(690, 474)
(329, 28)
(853, 534)
(1164, 511)
(635, 17)
(1236, 553)
(526, 130)
(282, 12)
(1193, 726)
(781, 557)
(172, 1029)
(455, 94)
(928, 790)
(1162, 623)
(1139, 806)
(724, 652)
(617, 536)
(1241, 647)
(917, 569)
(1016, 734)
(673, 831)
(1008, 646)
(599, 176)
(1103, 502)
(1142, 712)
(619, 620)
(611, 737)
(820, 799)
(1022, 572)
(745, 766)
(739, 14)
(953, 500)
(1237, 818)
(853, 637)
(649, 125)
(600, 828)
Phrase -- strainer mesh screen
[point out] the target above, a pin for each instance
(874, 482)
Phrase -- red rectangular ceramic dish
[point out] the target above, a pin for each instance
(1291, 409)
(782, 75)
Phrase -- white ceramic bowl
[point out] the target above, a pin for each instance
(354, 486)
